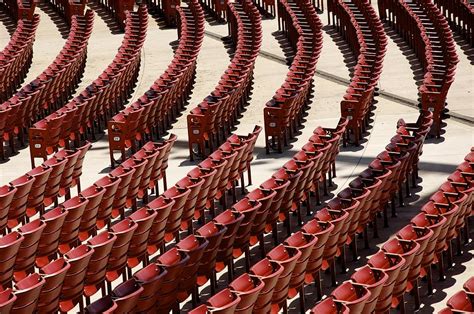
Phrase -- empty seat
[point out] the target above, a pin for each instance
(126, 296)
(54, 274)
(330, 306)
(353, 295)
(27, 292)
(248, 288)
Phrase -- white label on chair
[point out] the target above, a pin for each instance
(117, 138)
(272, 124)
(173, 6)
(349, 117)
(195, 132)
(37, 145)
(430, 109)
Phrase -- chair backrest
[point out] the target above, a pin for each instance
(150, 278)
(330, 306)
(27, 292)
(54, 274)
(354, 296)
(103, 305)
(49, 240)
(9, 246)
(126, 295)
(25, 259)
(248, 288)
(269, 272)
(224, 301)
(7, 299)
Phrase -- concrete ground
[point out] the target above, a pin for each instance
(439, 159)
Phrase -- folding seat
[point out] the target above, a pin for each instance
(264, 197)
(248, 288)
(137, 251)
(173, 225)
(103, 305)
(66, 178)
(194, 247)
(7, 299)
(171, 140)
(219, 165)
(124, 231)
(150, 157)
(330, 306)
(88, 226)
(249, 208)
(422, 237)
(54, 181)
(213, 233)
(305, 243)
(49, 240)
(338, 219)
(207, 175)
(373, 280)
(7, 192)
(126, 296)
(293, 175)
(173, 261)
(280, 187)
(462, 302)
(70, 232)
(71, 293)
(408, 250)
(162, 205)
(150, 279)
(162, 149)
(111, 185)
(320, 230)
(469, 285)
(27, 292)
(96, 271)
(9, 248)
(234, 174)
(231, 220)
(448, 230)
(287, 257)
(25, 260)
(225, 175)
(53, 274)
(194, 186)
(36, 196)
(17, 211)
(76, 174)
(126, 175)
(353, 295)
(134, 186)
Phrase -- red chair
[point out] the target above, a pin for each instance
(111, 185)
(70, 232)
(9, 248)
(269, 272)
(156, 239)
(25, 259)
(126, 296)
(248, 288)
(53, 185)
(305, 243)
(173, 261)
(213, 233)
(224, 302)
(353, 295)
(330, 306)
(71, 293)
(88, 226)
(322, 230)
(461, 302)
(27, 292)
(120, 198)
(231, 220)
(17, 211)
(194, 247)
(95, 276)
(287, 257)
(373, 280)
(124, 231)
(150, 279)
(469, 285)
(7, 299)
(49, 241)
(54, 274)
(173, 224)
(422, 237)
(76, 174)
(189, 207)
(103, 305)
(7, 192)
(406, 249)
(36, 196)
(249, 208)
(137, 252)
(72, 157)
